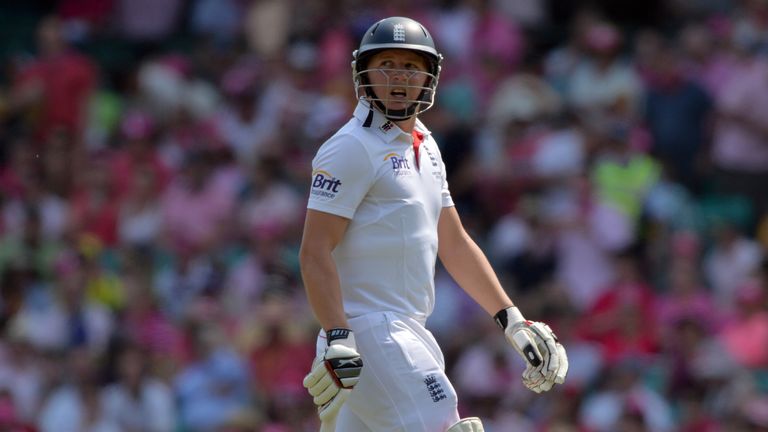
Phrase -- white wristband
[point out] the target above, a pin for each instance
(514, 315)
(341, 336)
(508, 317)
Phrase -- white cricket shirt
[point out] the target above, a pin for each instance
(367, 173)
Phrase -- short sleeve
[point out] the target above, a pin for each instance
(342, 174)
(447, 200)
(446, 193)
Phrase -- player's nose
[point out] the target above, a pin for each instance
(400, 75)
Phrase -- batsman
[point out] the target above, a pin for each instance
(379, 214)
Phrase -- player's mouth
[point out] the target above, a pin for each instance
(398, 94)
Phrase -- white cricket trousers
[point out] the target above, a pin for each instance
(403, 386)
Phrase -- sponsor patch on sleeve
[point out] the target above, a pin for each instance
(324, 185)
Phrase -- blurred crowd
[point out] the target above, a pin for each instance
(154, 170)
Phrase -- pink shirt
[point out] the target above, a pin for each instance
(745, 340)
(194, 218)
(736, 146)
(700, 307)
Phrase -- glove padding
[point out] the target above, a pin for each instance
(545, 357)
(334, 373)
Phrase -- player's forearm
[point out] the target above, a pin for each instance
(469, 267)
(321, 283)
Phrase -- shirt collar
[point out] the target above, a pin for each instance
(386, 129)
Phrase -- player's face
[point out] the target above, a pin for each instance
(397, 77)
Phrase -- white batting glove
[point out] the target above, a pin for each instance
(545, 357)
(334, 373)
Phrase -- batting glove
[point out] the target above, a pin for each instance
(334, 373)
(545, 357)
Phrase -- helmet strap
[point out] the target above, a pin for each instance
(396, 115)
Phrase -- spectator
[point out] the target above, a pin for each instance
(707, 57)
(25, 190)
(624, 402)
(197, 205)
(9, 418)
(146, 325)
(688, 299)
(57, 83)
(139, 218)
(147, 21)
(75, 405)
(269, 202)
(501, 371)
(278, 357)
(247, 123)
(731, 261)
(220, 20)
(526, 247)
(137, 151)
(28, 248)
(620, 320)
(622, 176)
(587, 232)
(603, 84)
(94, 210)
(213, 388)
(65, 318)
(750, 324)
(739, 153)
(137, 401)
(677, 112)
(23, 380)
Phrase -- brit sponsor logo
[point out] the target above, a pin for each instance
(324, 185)
(400, 165)
(386, 127)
